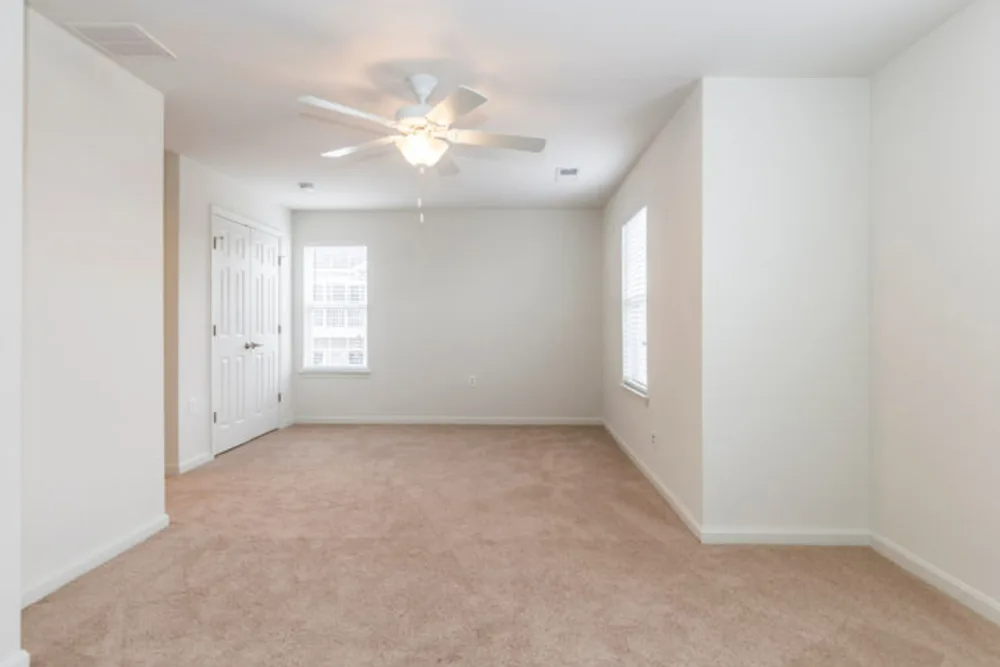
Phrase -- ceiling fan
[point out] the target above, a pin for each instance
(422, 133)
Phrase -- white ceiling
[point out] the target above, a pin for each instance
(598, 78)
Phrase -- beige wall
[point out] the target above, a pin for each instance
(93, 309)
(171, 281)
(11, 220)
(510, 296)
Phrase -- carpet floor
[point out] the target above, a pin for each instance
(475, 546)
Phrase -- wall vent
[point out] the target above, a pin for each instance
(121, 40)
(567, 174)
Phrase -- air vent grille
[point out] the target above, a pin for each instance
(121, 40)
(567, 174)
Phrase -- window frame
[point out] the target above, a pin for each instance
(310, 308)
(628, 381)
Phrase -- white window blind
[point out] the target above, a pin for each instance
(634, 303)
(335, 317)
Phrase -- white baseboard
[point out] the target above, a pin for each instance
(722, 535)
(952, 586)
(806, 537)
(446, 421)
(92, 560)
(17, 659)
(680, 509)
(190, 464)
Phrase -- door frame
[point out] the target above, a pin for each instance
(284, 241)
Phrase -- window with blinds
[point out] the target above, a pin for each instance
(335, 308)
(634, 303)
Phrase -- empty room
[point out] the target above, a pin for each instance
(486, 333)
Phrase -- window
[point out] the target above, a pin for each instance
(335, 286)
(634, 303)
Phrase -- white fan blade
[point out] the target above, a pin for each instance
(345, 122)
(493, 140)
(345, 110)
(456, 105)
(368, 145)
(447, 166)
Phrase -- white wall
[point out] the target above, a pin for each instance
(11, 216)
(758, 311)
(786, 306)
(666, 180)
(93, 309)
(936, 335)
(192, 191)
(510, 296)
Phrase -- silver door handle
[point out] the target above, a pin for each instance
(250, 345)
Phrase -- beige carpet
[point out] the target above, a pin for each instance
(411, 546)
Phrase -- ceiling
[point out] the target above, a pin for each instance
(597, 78)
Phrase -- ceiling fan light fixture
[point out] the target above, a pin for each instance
(421, 149)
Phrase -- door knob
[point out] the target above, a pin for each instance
(250, 345)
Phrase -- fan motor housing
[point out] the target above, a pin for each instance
(414, 115)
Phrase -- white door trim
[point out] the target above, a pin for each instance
(284, 242)
(232, 216)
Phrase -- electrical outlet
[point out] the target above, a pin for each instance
(193, 406)
(473, 382)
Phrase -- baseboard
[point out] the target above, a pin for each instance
(190, 464)
(679, 508)
(806, 537)
(95, 559)
(950, 585)
(446, 421)
(17, 659)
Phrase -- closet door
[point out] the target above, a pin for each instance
(262, 379)
(245, 335)
(231, 334)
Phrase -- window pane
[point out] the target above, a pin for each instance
(335, 333)
(634, 321)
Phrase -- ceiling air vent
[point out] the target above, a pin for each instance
(565, 174)
(121, 40)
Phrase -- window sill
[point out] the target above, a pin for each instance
(635, 391)
(335, 372)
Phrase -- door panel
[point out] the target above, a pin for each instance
(230, 275)
(262, 376)
(245, 316)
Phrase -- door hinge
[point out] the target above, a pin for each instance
(215, 243)
(215, 417)
(214, 330)
(279, 397)
(279, 259)
(279, 328)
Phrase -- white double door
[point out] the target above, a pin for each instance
(246, 276)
